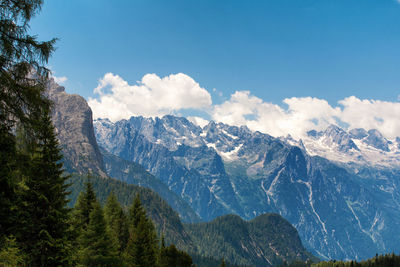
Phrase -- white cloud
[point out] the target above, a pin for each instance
(301, 115)
(372, 114)
(155, 96)
(307, 113)
(198, 121)
(152, 96)
(60, 80)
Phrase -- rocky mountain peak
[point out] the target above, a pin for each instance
(377, 140)
(72, 118)
(334, 135)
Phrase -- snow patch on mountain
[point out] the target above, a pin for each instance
(356, 146)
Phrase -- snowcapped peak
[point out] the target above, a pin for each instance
(334, 143)
(336, 136)
(332, 128)
(356, 145)
(377, 140)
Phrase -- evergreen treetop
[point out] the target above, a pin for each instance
(117, 225)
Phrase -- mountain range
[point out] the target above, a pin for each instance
(337, 187)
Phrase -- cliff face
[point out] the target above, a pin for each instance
(72, 118)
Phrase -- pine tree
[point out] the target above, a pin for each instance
(223, 263)
(142, 246)
(21, 55)
(20, 94)
(83, 206)
(80, 216)
(96, 246)
(171, 256)
(44, 214)
(117, 225)
(11, 255)
(7, 183)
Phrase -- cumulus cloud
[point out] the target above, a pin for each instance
(152, 96)
(302, 114)
(60, 80)
(372, 114)
(198, 121)
(155, 96)
(307, 113)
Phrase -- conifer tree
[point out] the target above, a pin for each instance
(171, 256)
(21, 94)
(117, 225)
(96, 246)
(142, 246)
(43, 226)
(7, 184)
(83, 206)
(80, 217)
(11, 255)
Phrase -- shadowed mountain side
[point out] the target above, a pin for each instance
(133, 173)
(267, 240)
(165, 218)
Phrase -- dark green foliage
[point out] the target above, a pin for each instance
(96, 248)
(142, 247)
(202, 261)
(10, 254)
(7, 184)
(117, 225)
(388, 260)
(32, 188)
(164, 217)
(102, 242)
(20, 95)
(84, 206)
(43, 214)
(171, 256)
(80, 216)
(251, 243)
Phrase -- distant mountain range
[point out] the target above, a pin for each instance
(368, 148)
(269, 239)
(338, 188)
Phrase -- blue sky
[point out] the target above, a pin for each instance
(326, 49)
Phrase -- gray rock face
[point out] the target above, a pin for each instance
(341, 211)
(335, 136)
(376, 139)
(72, 118)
